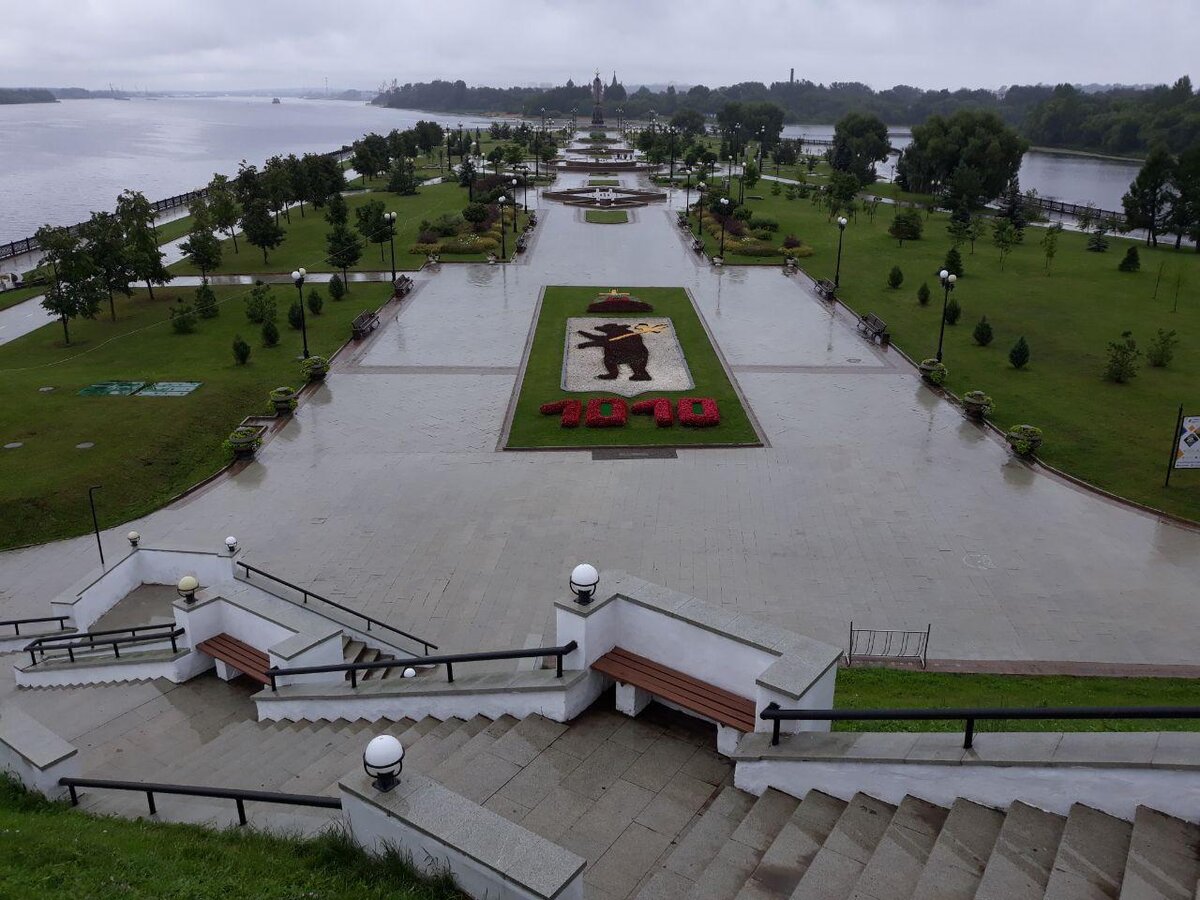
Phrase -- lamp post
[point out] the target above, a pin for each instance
(383, 760)
(514, 187)
(671, 140)
(947, 279)
(298, 279)
(701, 187)
(724, 215)
(446, 128)
(687, 197)
(186, 589)
(95, 521)
(390, 218)
(762, 133)
(503, 232)
(837, 274)
(584, 581)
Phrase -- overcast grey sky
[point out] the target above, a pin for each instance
(229, 44)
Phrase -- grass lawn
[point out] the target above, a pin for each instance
(604, 182)
(53, 851)
(1116, 436)
(606, 216)
(176, 228)
(305, 241)
(20, 295)
(543, 380)
(868, 688)
(147, 449)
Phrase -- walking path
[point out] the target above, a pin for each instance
(875, 501)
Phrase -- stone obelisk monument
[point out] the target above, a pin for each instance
(597, 99)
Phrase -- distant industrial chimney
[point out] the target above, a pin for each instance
(792, 77)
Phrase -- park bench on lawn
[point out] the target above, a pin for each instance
(364, 323)
(874, 328)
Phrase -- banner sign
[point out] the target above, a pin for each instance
(1187, 453)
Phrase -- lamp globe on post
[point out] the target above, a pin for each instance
(390, 218)
(724, 215)
(947, 279)
(383, 760)
(503, 244)
(701, 187)
(514, 187)
(584, 580)
(231, 545)
(837, 274)
(298, 280)
(187, 587)
(134, 539)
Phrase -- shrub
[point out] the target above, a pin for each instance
(983, 332)
(241, 350)
(260, 305)
(1122, 359)
(895, 277)
(1097, 242)
(425, 249)
(764, 223)
(754, 248)
(1019, 354)
(953, 312)
(761, 234)
(790, 193)
(1162, 349)
(1024, 439)
(295, 315)
(776, 189)
(447, 224)
(906, 226)
(315, 302)
(1131, 262)
(337, 288)
(270, 333)
(954, 263)
(923, 293)
(183, 318)
(742, 213)
(428, 236)
(206, 303)
(791, 240)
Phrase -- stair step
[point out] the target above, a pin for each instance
(1164, 858)
(367, 655)
(1023, 857)
(960, 854)
(418, 730)
(726, 873)
(1090, 863)
(895, 867)
(790, 854)
(841, 859)
(701, 844)
(351, 648)
(425, 755)
(472, 748)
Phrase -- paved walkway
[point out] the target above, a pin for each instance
(875, 502)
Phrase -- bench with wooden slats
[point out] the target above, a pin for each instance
(237, 655)
(690, 693)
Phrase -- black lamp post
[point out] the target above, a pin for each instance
(95, 521)
(837, 274)
(700, 188)
(390, 218)
(762, 133)
(947, 279)
(671, 139)
(503, 232)
(687, 197)
(724, 215)
(514, 187)
(460, 143)
(298, 278)
(448, 136)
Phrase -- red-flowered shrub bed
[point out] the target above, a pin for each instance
(595, 417)
(571, 411)
(661, 408)
(707, 417)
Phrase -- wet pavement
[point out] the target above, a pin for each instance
(875, 500)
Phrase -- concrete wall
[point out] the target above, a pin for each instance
(34, 755)
(176, 669)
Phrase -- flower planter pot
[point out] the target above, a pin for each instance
(975, 409)
(284, 401)
(245, 441)
(1025, 440)
(932, 371)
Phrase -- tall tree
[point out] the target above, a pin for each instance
(1150, 196)
(975, 139)
(371, 224)
(143, 254)
(859, 141)
(336, 211)
(277, 186)
(77, 285)
(223, 207)
(104, 239)
(1185, 210)
(260, 228)
(343, 249)
(247, 184)
(202, 249)
(298, 178)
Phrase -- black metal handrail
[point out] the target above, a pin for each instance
(969, 715)
(448, 660)
(151, 788)
(88, 640)
(17, 623)
(428, 645)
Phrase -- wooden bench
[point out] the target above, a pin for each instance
(874, 327)
(683, 690)
(698, 245)
(237, 655)
(401, 286)
(826, 289)
(364, 323)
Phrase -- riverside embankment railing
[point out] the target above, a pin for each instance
(30, 245)
(239, 795)
(969, 715)
(113, 638)
(448, 661)
(307, 594)
(15, 624)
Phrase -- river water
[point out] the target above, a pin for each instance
(60, 161)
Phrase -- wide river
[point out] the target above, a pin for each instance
(60, 161)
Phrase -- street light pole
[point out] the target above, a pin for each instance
(298, 278)
(724, 215)
(687, 198)
(837, 275)
(947, 279)
(95, 522)
(700, 187)
(503, 232)
(671, 139)
(390, 218)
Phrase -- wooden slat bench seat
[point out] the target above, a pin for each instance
(874, 328)
(690, 693)
(364, 323)
(237, 655)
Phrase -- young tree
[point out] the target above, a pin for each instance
(403, 178)
(1019, 354)
(983, 332)
(206, 303)
(975, 231)
(343, 249)
(1131, 262)
(371, 224)
(104, 239)
(202, 249)
(1004, 236)
(906, 226)
(1122, 359)
(260, 228)
(337, 287)
(1050, 243)
(223, 207)
(859, 141)
(895, 278)
(336, 211)
(1098, 241)
(954, 263)
(1150, 196)
(77, 286)
(843, 187)
(270, 333)
(241, 350)
(923, 294)
(1162, 349)
(953, 312)
(466, 177)
(183, 318)
(1013, 208)
(141, 242)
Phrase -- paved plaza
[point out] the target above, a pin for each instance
(874, 501)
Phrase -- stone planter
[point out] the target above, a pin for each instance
(933, 372)
(976, 405)
(1025, 440)
(315, 368)
(245, 440)
(284, 400)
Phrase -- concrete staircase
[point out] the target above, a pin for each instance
(355, 651)
(776, 847)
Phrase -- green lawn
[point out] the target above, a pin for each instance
(305, 241)
(1116, 436)
(543, 379)
(20, 295)
(606, 216)
(147, 449)
(874, 688)
(174, 229)
(52, 851)
(604, 182)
